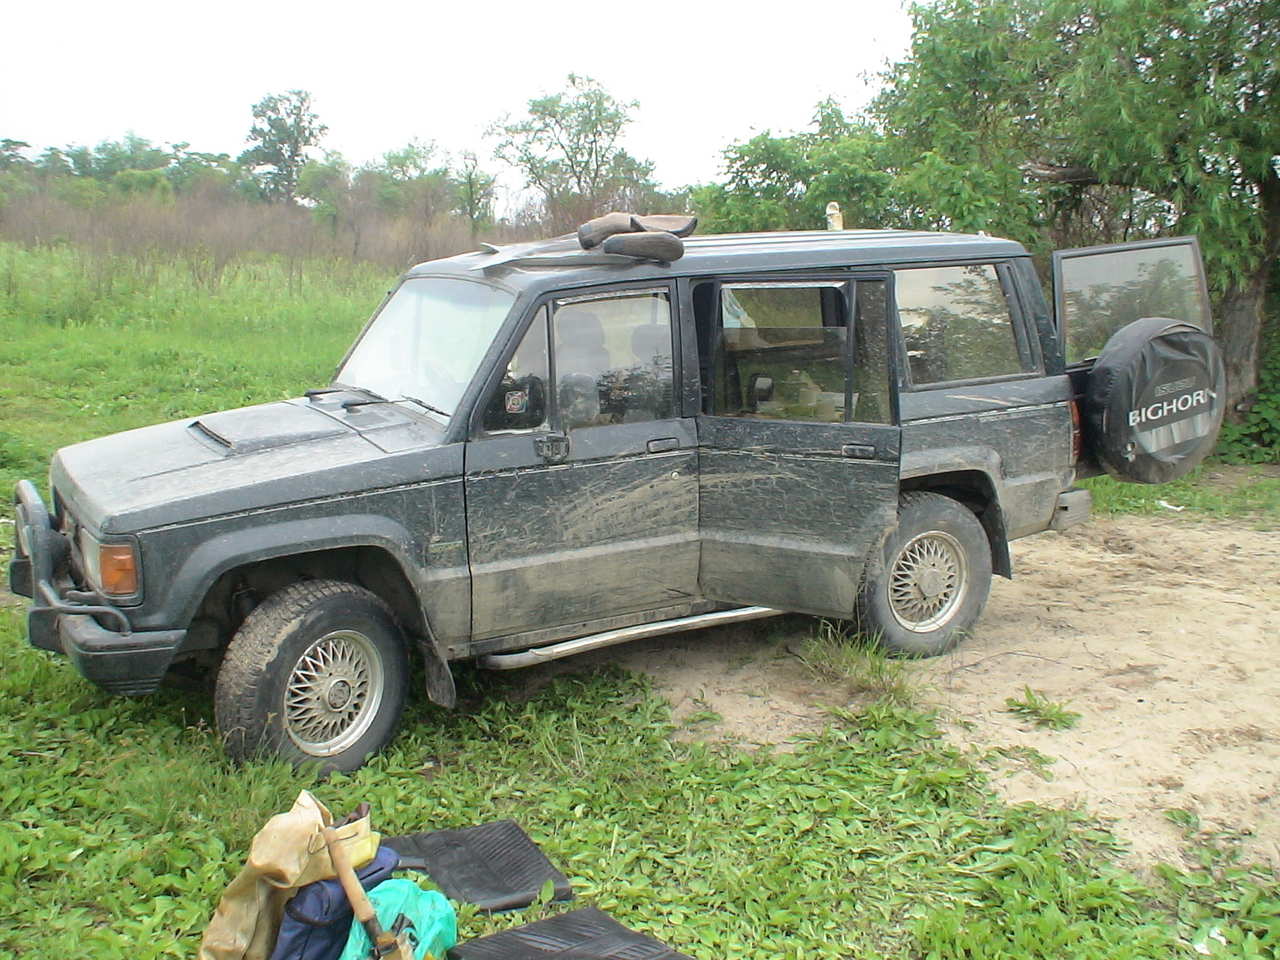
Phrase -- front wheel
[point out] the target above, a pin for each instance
(317, 673)
(926, 590)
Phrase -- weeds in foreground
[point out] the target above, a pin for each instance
(1041, 711)
(837, 652)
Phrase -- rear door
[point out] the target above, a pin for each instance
(799, 450)
(974, 392)
(1098, 290)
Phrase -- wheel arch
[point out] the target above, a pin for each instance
(976, 490)
(242, 580)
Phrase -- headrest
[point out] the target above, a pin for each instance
(649, 341)
(578, 327)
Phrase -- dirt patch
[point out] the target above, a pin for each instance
(738, 684)
(1164, 634)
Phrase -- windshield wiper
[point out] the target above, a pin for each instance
(324, 391)
(422, 403)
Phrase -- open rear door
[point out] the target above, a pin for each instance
(799, 454)
(1099, 290)
(1137, 334)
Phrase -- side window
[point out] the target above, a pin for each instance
(520, 400)
(613, 358)
(956, 324)
(781, 351)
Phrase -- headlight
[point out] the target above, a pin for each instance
(112, 568)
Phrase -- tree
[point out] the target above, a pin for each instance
(284, 129)
(192, 171)
(110, 157)
(475, 193)
(143, 184)
(328, 185)
(1082, 121)
(11, 154)
(567, 149)
(785, 183)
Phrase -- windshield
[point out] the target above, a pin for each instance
(427, 341)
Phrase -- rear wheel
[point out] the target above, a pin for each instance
(928, 587)
(317, 673)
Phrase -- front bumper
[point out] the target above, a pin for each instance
(70, 621)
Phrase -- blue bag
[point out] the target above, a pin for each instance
(317, 920)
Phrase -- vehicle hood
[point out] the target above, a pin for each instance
(240, 460)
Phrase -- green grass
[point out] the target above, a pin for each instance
(90, 346)
(1041, 711)
(121, 821)
(1213, 489)
(836, 652)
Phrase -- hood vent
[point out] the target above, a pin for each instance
(209, 432)
(265, 427)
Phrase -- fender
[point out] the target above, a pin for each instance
(957, 468)
(224, 551)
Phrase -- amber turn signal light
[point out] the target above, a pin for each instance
(118, 569)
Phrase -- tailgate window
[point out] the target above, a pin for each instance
(1098, 290)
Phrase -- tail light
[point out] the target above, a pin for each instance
(1077, 438)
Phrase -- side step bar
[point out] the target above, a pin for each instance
(554, 651)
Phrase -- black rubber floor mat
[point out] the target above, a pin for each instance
(495, 865)
(578, 935)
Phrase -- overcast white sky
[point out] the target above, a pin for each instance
(706, 74)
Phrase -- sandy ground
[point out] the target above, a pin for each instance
(1163, 634)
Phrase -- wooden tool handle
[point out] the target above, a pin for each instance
(351, 886)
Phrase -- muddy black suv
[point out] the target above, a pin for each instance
(545, 448)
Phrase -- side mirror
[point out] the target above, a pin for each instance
(518, 405)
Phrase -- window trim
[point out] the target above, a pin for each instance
(1017, 320)
(882, 274)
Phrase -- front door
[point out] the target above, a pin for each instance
(799, 450)
(582, 499)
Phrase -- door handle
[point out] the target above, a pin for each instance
(553, 448)
(858, 451)
(663, 444)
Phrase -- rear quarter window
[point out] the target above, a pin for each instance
(957, 324)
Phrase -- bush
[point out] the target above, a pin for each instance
(1257, 438)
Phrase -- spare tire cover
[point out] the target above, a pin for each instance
(1154, 400)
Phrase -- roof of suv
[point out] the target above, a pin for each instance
(562, 261)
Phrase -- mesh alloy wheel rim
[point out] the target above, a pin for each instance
(928, 581)
(333, 693)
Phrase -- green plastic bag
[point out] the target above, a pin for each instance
(435, 926)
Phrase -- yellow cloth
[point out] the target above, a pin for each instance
(287, 853)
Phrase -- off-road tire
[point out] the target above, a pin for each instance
(300, 622)
(927, 586)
